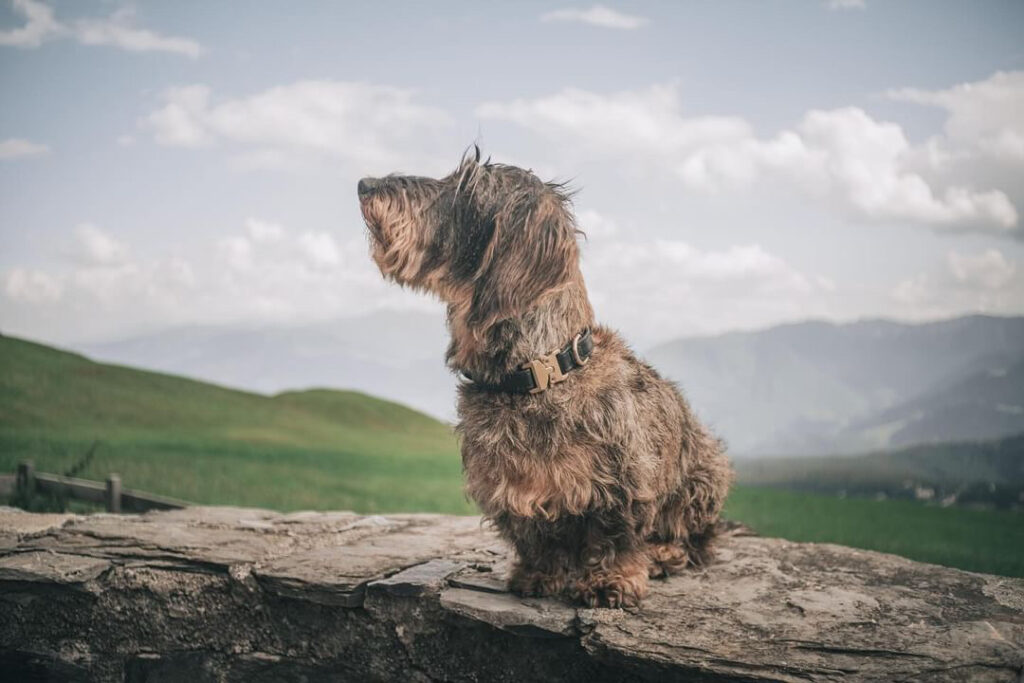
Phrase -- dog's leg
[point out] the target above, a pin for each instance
(545, 555)
(671, 557)
(685, 524)
(615, 566)
(620, 583)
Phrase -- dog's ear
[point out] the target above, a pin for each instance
(532, 251)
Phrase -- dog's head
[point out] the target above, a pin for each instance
(490, 238)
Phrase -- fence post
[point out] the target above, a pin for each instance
(113, 493)
(26, 480)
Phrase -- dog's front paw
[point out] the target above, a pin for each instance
(612, 589)
(535, 584)
(668, 559)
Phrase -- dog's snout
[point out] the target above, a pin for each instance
(368, 185)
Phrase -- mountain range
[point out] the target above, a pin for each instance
(817, 388)
(395, 355)
(977, 473)
(796, 389)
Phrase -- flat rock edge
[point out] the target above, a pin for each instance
(243, 594)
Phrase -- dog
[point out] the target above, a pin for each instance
(591, 465)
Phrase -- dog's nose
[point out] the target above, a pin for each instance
(368, 185)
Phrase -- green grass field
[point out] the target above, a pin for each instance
(343, 450)
(314, 449)
(989, 541)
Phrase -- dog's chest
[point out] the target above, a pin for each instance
(529, 477)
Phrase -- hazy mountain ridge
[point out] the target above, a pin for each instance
(985, 403)
(989, 472)
(802, 388)
(397, 355)
(815, 387)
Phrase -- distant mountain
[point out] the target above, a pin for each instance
(966, 472)
(816, 387)
(392, 354)
(981, 405)
(803, 388)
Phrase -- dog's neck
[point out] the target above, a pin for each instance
(490, 354)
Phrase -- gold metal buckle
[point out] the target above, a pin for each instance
(546, 372)
(576, 351)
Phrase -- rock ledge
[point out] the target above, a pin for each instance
(230, 594)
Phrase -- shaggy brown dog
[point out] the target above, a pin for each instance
(601, 480)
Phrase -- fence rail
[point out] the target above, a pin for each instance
(109, 493)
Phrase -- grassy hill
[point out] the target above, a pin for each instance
(325, 449)
(311, 449)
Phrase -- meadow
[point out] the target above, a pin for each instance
(326, 449)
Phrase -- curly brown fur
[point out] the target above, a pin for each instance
(604, 479)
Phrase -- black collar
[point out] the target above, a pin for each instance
(536, 375)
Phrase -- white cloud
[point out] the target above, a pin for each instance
(98, 247)
(261, 272)
(844, 157)
(988, 269)
(25, 285)
(667, 261)
(986, 281)
(663, 288)
(262, 239)
(984, 117)
(598, 15)
(16, 148)
(913, 291)
(179, 123)
(267, 273)
(237, 252)
(264, 231)
(370, 124)
(845, 4)
(320, 249)
(117, 30)
(596, 225)
(39, 25)
(639, 122)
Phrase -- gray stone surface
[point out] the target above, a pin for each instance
(230, 594)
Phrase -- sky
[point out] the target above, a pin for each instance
(736, 164)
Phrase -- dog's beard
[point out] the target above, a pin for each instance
(373, 228)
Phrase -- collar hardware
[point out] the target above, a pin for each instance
(537, 375)
(546, 372)
(576, 349)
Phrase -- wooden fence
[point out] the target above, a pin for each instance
(109, 493)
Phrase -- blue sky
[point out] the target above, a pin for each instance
(739, 164)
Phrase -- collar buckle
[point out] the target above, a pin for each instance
(545, 370)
